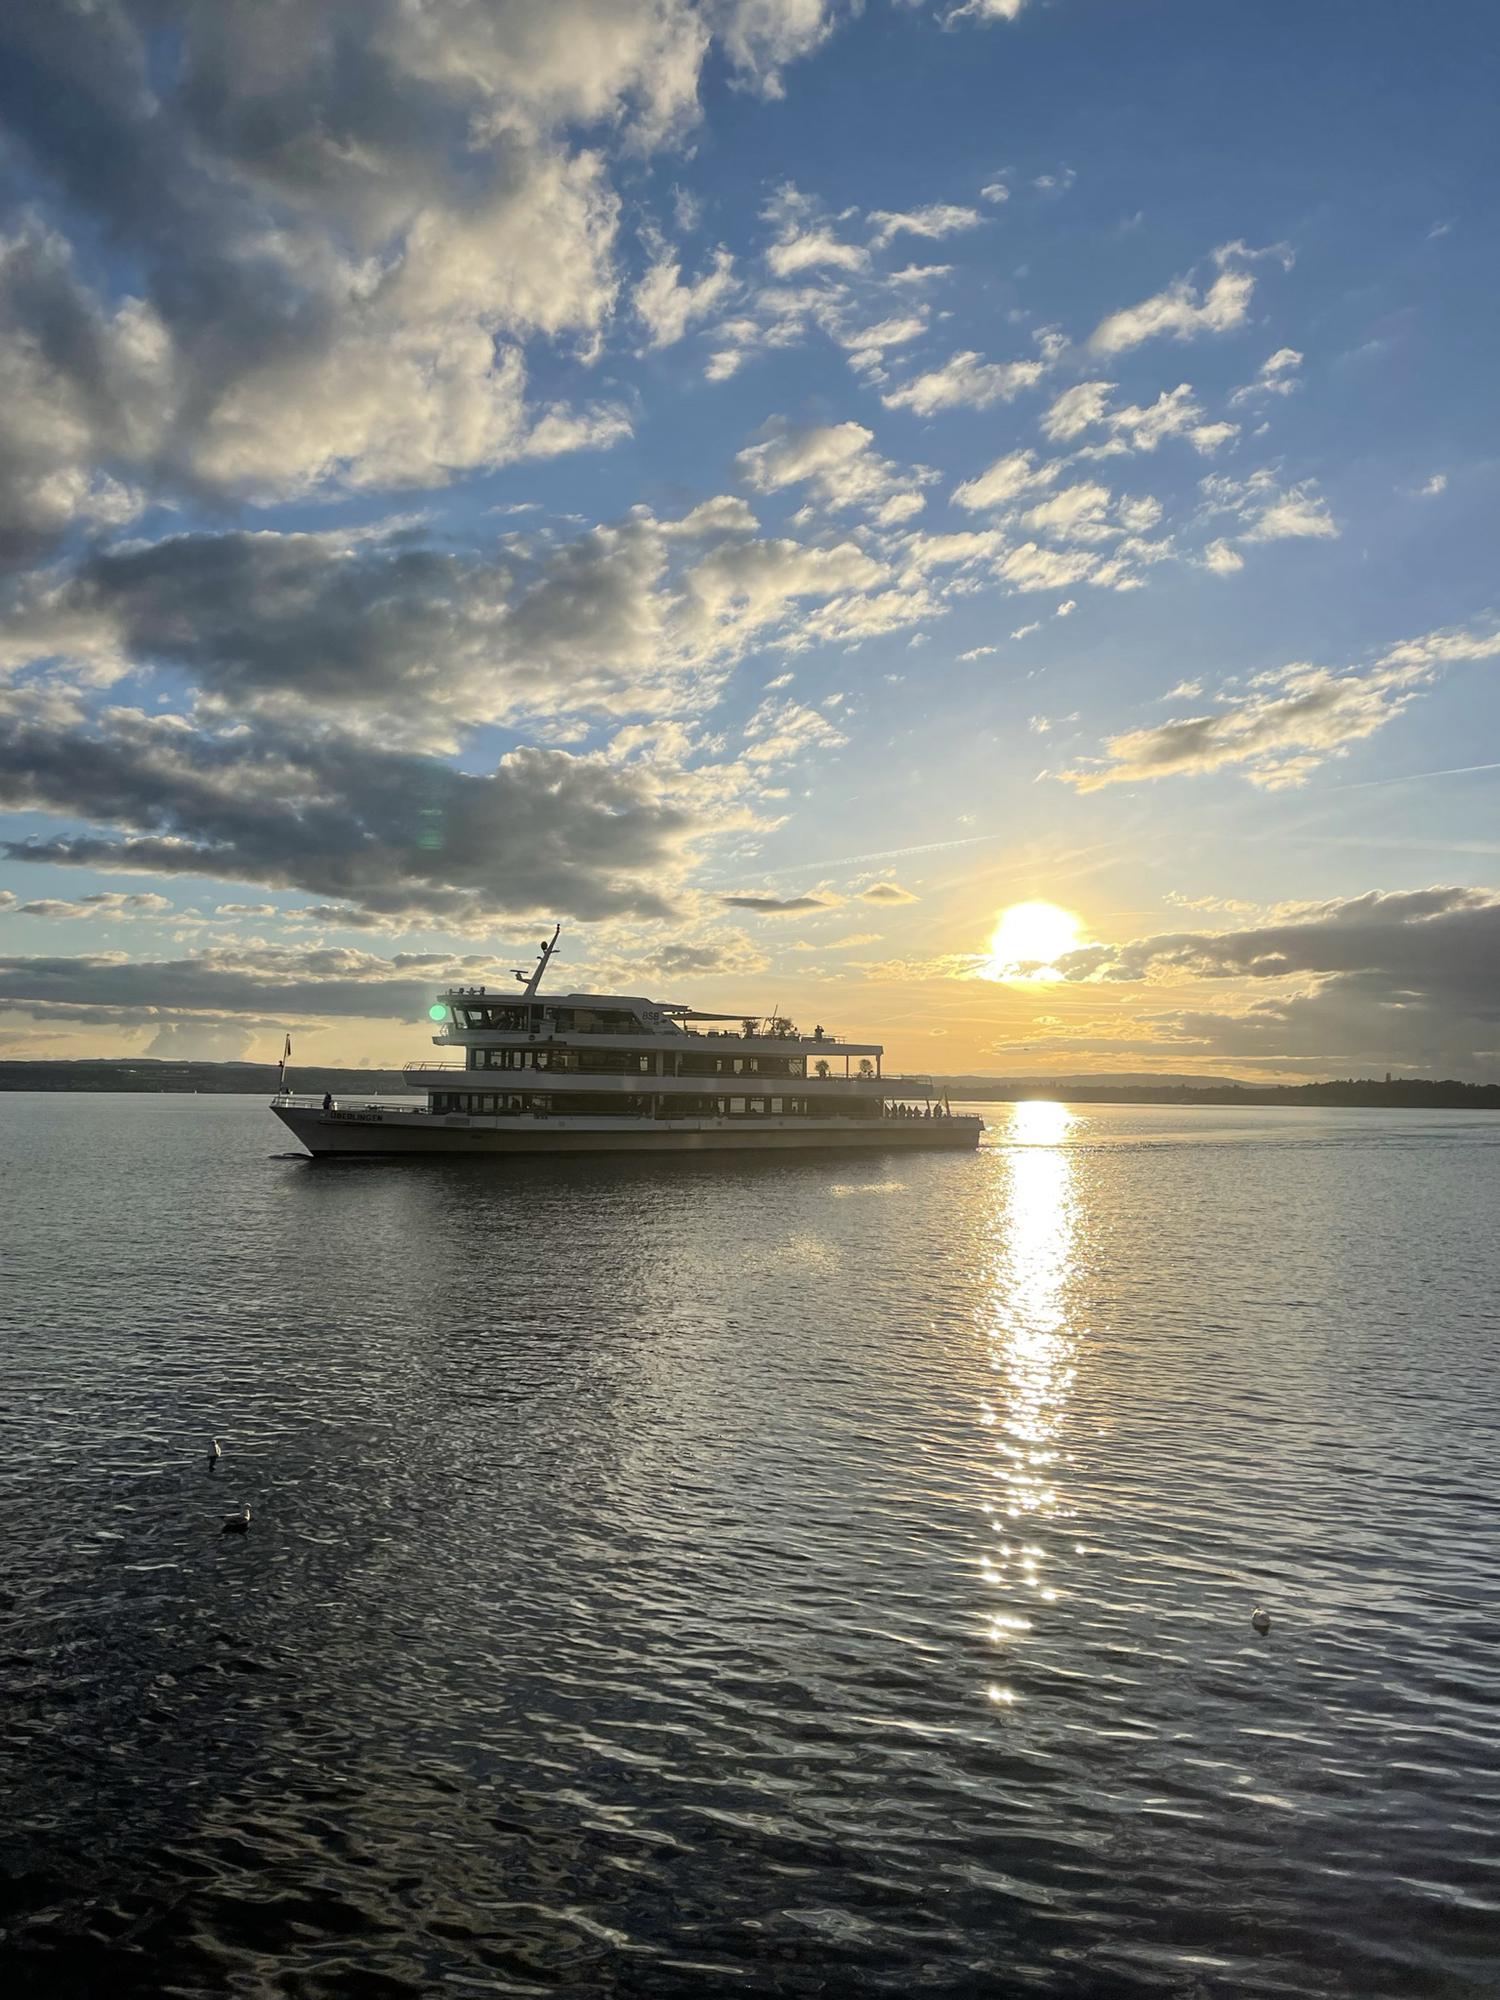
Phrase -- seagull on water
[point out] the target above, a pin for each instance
(237, 1524)
(215, 1453)
(1259, 1618)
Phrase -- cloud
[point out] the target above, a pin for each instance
(1269, 513)
(1137, 427)
(339, 238)
(1223, 558)
(110, 904)
(1432, 487)
(837, 462)
(782, 729)
(775, 906)
(937, 220)
(1402, 978)
(1275, 377)
(81, 397)
(965, 382)
(1007, 479)
(383, 626)
(668, 307)
(866, 346)
(1076, 513)
(1031, 567)
(811, 249)
(887, 892)
(761, 37)
(984, 10)
(391, 832)
(1290, 721)
(278, 982)
(1182, 310)
(1076, 409)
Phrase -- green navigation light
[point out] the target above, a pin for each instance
(438, 1013)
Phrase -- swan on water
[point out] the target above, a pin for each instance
(237, 1524)
(1259, 1618)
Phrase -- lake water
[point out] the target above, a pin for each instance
(829, 1576)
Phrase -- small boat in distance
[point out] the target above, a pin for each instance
(596, 1073)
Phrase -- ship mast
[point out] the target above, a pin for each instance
(531, 981)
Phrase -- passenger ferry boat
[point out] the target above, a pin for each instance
(594, 1073)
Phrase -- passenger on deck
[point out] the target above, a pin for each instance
(328, 1100)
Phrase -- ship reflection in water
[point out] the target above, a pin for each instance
(1032, 1349)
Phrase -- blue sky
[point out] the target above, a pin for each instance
(772, 484)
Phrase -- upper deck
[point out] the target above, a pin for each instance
(474, 1017)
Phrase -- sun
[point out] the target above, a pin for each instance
(1029, 939)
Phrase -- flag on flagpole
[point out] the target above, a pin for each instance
(286, 1056)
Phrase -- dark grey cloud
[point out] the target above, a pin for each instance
(226, 992)
(277, 984)
(393, 833)
(776, 906)
(111, 905)
(1406, 979)
(628, 617)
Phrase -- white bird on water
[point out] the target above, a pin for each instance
(1259, 1618)
(237, 1524)
(215, 1453)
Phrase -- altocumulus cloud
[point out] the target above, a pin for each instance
(1290, 721)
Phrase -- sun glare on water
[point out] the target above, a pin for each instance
(1029, 939)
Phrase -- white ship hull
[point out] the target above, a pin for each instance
(376, 1131)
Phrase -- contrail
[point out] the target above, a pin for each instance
(1413, 777)
(880, 854)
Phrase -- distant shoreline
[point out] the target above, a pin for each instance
(232, 1079)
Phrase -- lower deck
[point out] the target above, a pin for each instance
(382, 1130)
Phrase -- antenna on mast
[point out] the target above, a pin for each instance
(534, 979)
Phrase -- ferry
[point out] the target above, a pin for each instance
(614, 1073)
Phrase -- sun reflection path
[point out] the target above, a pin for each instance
(1032, 1356)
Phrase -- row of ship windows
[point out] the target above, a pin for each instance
(582, 1104)
(513, 1020)
(625, 1062)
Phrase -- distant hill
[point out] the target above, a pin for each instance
(259, 1080)
(225, 1078)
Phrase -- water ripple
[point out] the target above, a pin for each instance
(670, 1579)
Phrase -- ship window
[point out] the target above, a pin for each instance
(777, 1105)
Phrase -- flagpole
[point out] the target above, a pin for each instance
(286, 1056)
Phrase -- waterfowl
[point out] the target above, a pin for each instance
(237, 1524)
(215, 1453)
(1259, 1618)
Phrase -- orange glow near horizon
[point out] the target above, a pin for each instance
(1028, 940)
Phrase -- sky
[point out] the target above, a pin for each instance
(773, 485)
